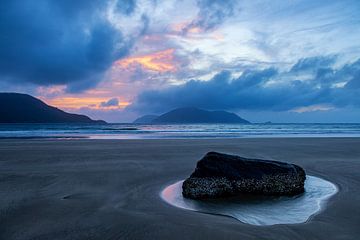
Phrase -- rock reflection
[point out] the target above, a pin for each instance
(258, 210)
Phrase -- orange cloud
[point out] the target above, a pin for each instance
(194, 30)
(162, 61)
(80, 102)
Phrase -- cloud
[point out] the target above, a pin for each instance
(56, 49)
(312, 108)
(49, 42)
(113, 102)
(354, 71)
(212, 13)
(267, 89)
(161, 61)
(126, 6)
(313, 63)
(73, 103)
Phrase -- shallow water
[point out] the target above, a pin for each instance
(260, 211)
(160, 131)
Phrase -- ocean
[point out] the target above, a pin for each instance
(140, 131)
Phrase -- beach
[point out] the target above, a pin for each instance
(110, 189)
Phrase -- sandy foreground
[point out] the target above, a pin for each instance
(109, 189)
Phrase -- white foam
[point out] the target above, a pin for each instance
(264, 211)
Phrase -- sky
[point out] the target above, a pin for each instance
(279, 61)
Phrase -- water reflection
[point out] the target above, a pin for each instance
(260, 210)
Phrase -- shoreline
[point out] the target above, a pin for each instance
(177, 131)
(110, 189)
(206, 138)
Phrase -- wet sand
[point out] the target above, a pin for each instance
(109, 189)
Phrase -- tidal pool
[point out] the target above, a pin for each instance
(257, 210)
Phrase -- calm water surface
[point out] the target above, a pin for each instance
(257, 210)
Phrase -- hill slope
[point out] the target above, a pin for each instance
(196, 115)
(23, 108)
(145, 119)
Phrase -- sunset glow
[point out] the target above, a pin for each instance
(82, 102)
(295, 58)
(104, 102)
(162, 61)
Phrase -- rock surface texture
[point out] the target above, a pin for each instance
(220, 175)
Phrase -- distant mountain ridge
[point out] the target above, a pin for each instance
(193, 115)
(146, 119)
(23, 108)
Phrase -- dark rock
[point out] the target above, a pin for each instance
(220, 175)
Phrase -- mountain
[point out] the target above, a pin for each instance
(145, 119)
(196, 115)
(23, 108)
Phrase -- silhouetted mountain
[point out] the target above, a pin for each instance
(196, 115)
(145, 119)
(23, 108)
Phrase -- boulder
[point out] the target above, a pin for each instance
(220, 175)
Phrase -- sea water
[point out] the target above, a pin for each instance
(140, 131)
(257, 210)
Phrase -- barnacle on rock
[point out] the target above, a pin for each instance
(220, 175)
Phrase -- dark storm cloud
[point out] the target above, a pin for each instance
(58, 42)
(313, 63)
(354, 75)
(113, 102)
(267, 89)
